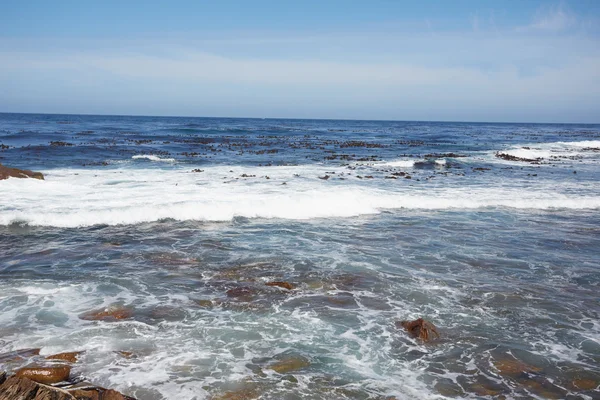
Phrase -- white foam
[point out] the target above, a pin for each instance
(400, 163)
(553, 150)
(441, 161)
(152, 157)
(73, 198)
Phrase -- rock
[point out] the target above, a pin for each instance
(85, 394)
(420, 328)
(289, 364)
(97, 393)
(325, 177)
(45, 375)
(585, 384)
(248, 392)
(513, 367)
(18, 355)
(7, 172)
(281, 284)
(204, 303)
(242, 293)
(111, 313)
(21, 388)
(126, 354)
(2, 377)
(70, 357)
(509, 157)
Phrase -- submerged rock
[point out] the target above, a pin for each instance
(513, 367)
(70, 357)
(46, 375)
(111, 313)
(289, 364)
(7, 172)
(18, 355)
(281, 284)
(420, 328)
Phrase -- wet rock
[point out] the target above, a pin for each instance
(167, 313)
(45, 375)
(289, 364)
(111, 313)
(420, 328)
(58, 143)
(509, 157)
(585, 384)
(325, 177)
(448, 388)
(7, 172)
(243, 293)
(21, 388)
(126, 354)
(97, 393)
(482, 389)
(18, 355)
(204, 303)
(513, 367)
(70, 357)
(248, 392)
(542, 388)
(2, 377)
(281, 284)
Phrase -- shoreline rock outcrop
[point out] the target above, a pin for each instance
(7, 172)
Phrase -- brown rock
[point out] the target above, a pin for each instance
(513, 367)
(242, 293)
(21, 388)
(111, 313)
(420, 328)
(98, 393)
(45, 375)
(247, 393)
(585, 384)
(7, 172)
(285, 285)
(70, 357)
(81, 394)
(126, 354)
(289, 364)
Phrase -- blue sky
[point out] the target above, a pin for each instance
(521, 61)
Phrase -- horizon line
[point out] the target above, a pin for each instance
(302, 119)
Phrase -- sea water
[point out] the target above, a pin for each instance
(489, 231)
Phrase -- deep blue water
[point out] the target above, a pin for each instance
(183, 221)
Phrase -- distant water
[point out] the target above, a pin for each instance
(372, 222)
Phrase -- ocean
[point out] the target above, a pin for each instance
(489, 231)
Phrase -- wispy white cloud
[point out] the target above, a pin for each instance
(554, 18)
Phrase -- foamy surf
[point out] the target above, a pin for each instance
(130, 196)
(152, 157)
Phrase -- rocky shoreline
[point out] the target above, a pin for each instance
(49, 378)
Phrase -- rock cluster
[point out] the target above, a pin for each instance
(48, 378)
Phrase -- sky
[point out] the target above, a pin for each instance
(460, 60)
